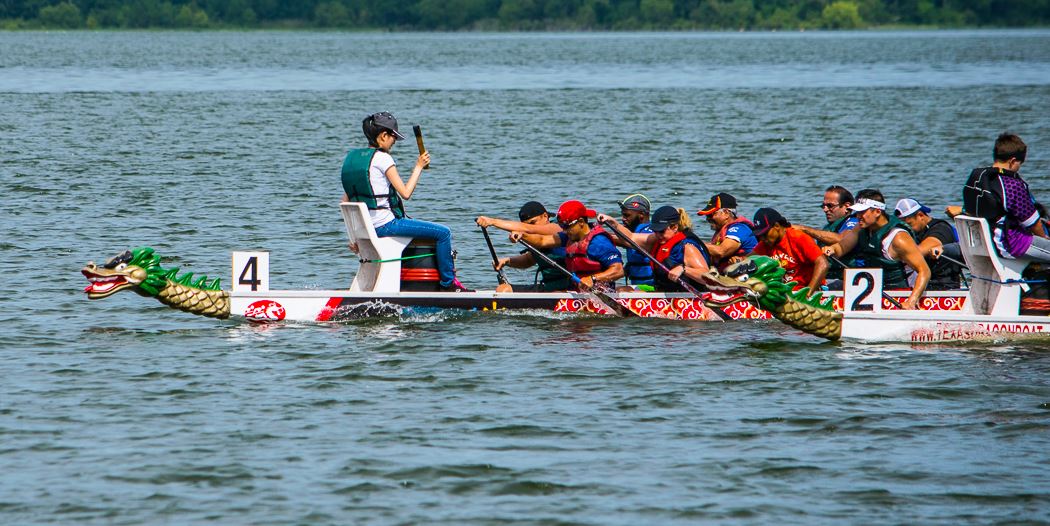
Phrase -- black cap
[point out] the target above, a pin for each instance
(532, 209)
(717, 202)
(663, 217)
(765, 218)
(383, 121)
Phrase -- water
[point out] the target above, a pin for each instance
(125, 412)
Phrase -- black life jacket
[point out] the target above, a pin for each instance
(983, 194)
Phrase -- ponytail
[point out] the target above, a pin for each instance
(684, 223)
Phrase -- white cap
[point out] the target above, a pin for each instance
(863, 204)
(907, 206)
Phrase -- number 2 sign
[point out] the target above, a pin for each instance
(251, 271)
(863, 289)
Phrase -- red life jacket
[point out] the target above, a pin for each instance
(721, 235)
(576, 259)
(662, 249)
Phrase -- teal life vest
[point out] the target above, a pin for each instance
(358, 187)
(835, 225)
(549, 278)
(835, 271)
(869, 248)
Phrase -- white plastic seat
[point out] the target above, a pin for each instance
(989, 294)
(371, 276)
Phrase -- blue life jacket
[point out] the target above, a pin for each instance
(636, 266)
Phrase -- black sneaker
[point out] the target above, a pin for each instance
(456, 286)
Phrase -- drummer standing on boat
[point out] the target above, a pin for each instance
(885, 242)
(370, 176)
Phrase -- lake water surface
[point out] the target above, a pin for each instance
(125, 412)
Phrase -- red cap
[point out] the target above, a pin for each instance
(570, 211)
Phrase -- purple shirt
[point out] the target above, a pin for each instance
(1011, 233)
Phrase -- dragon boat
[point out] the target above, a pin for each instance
(390, 280)
(393, 277)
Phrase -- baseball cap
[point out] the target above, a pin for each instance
(719, 201)
(663, 217)
(570, 211)
(863, 204)
(637, 202)
(766, 218)
(387, 121)
(907, 207)
(532, 209)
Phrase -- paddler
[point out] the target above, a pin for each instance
(673, 244)
(589, 250)
(884, 241)
(803, 261)
(534, 219)
(733, 238)
(634, 212)
(370, 176)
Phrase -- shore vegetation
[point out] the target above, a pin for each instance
(521, 15)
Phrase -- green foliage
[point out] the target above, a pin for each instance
(521, 14)
(657, 11)
(64, 16)
(191, 16)
(841, 14)
(331, 14)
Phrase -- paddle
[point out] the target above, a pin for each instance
(884, 295)
(600, 296)
(680, 281)
(953, 260)
(495, 260)
(419, 142)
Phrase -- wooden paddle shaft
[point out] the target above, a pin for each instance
(419, 142)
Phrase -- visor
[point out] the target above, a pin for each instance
(864, 204)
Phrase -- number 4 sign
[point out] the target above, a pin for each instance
(863, 289)
(251, 271)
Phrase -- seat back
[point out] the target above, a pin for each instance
(373, 276)
(988, 293)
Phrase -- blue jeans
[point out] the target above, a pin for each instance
(422, 229)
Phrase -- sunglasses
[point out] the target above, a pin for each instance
(565, 226)
(828, 206)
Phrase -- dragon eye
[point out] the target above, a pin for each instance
(743, 277)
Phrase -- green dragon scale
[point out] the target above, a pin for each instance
(139, 270)
(762, 279)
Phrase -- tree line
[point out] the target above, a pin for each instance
(519, 15)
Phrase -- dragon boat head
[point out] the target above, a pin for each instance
(761, 280)
(753, 277)
(132, 269)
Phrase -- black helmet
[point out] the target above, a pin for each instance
(377, 122)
